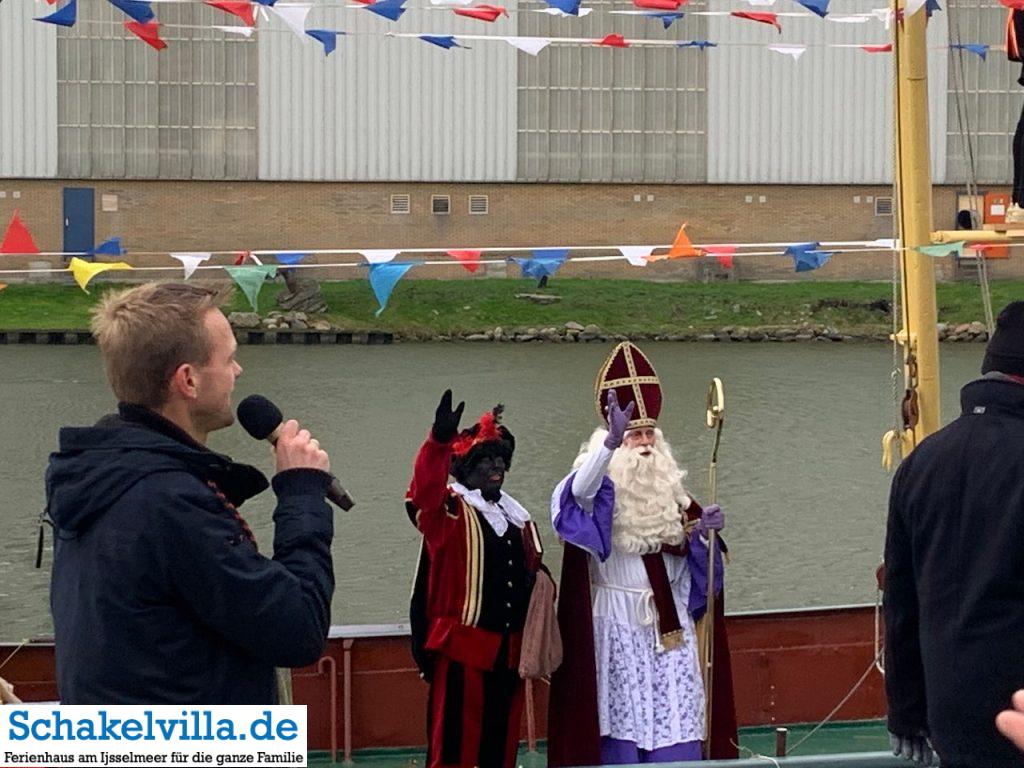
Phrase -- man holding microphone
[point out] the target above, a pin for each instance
(159, 595)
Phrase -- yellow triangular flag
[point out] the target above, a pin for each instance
(84, 271)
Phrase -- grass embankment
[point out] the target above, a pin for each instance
(423, 308)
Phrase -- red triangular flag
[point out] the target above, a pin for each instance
(241, 257)
(17, 239)
(723, 253)
(887, 48)
(470, 259)
(614, 41)
(243, 9)
(148, 32)
(482, 12)
(658, 5)
(764, 18)
(1016, 5)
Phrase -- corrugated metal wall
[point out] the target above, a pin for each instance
(28, 92)
(127, 111)
(604, 114)
(825, 119)
(991, 102)
(394, 109)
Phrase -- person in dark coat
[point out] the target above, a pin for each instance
(954, 564)
(158, 593)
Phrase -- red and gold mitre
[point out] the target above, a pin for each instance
(628, 371)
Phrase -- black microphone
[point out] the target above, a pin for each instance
(262, 420)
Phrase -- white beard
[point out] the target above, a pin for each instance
(649, 495)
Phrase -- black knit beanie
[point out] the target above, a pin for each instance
(1005, 351)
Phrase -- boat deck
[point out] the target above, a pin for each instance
(860, 744)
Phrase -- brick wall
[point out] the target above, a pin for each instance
(201, 216)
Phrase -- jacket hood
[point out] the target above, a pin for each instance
(95, 466)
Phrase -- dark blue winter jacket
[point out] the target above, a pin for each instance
(158, 592)
(954, 590)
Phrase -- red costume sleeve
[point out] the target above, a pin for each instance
(428, 492)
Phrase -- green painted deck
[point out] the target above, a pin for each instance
(847, 739)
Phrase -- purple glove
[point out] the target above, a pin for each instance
(618, 420)
(712, 518)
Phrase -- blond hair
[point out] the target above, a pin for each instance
(146, 333)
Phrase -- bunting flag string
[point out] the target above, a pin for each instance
(534, 45)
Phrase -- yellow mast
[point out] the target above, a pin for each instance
(919, 336)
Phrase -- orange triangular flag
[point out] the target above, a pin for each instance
(470, 259)
(17, 239)
(682, 248)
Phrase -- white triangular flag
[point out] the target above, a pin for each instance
(379, 255)
(636, 254)
(796, 51)
(761, 2)
(911, 7)
(883, 243)
(243, 31)
(295, 17)
(451, 3)
(530, 45)
(848, 19)
(190, 260)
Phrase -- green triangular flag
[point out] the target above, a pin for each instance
(251, 279)
(942, 249)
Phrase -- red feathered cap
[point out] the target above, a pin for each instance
(488, 429)
(628, 371)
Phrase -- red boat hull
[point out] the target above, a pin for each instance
(788, 667)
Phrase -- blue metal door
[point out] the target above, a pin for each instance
(79, 219)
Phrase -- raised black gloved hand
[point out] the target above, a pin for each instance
(446, 421)
(915, 748)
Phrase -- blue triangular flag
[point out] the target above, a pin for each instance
(326, 36)
(111, 247)
(702, 44)
(389, 9)
(806, 256)
(572, 7)
(931, 6)
(137, 9)
(442, 41)
(808, 260)
(819, 7)
(65, 17)
(545, 261)
(290, 257)
(667, 17)
(384, 277)
(266, 2)
(978, 48)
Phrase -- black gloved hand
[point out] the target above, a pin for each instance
(914, 748)
(446, 421)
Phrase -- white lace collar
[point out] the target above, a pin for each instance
(498, 514)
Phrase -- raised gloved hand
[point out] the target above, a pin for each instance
(618, 420)
(712, 518)
(446, 421)
(916, 748)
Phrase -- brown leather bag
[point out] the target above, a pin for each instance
(542, 642)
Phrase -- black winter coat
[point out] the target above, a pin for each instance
(159, 595)
(954, 599)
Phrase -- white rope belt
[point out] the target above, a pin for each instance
(646, 615)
